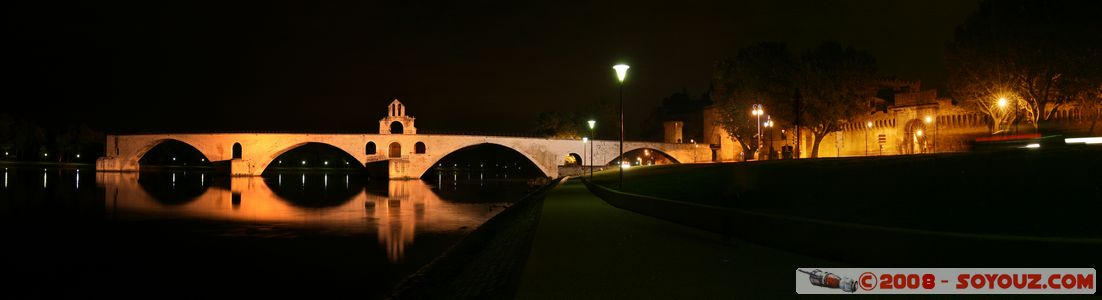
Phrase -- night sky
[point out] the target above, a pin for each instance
(463, 65)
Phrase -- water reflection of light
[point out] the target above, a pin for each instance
(78, 179)
(326, 177)
(43, 178)
(174, 180)
(408, 208)
(280, 180)
(202, 179)
(5, 176)
(346, 181)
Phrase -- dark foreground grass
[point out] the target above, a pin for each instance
(1045, 192)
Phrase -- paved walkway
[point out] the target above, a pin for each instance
(585, 248)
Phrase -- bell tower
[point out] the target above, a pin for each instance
(396, 120)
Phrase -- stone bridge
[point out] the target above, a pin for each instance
(408, 154)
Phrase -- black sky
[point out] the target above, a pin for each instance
(464, 65)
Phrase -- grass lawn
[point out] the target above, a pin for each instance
(1035, 192)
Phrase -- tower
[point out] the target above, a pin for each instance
(396, 120)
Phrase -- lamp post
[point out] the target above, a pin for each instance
(621, 73)
(585, 140)
(769, 124)
(867, 127)
(757, 112)
(933, 143)
(592, 124)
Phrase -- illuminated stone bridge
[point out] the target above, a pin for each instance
(406, 153)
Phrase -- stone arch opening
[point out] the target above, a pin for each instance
(915, 137)
(312, 157)
(572, 160)
(396, 128)
(647, 157)
(492, 161)
(419, 148)
(172, 154)
(369, 149)
(236, 151)
(395, 150)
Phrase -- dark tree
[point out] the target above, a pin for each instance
(759, 74)
(1038, 55)
(835, 84)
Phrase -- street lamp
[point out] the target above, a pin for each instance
(757, 111)
(621, 73)
(1002, 102)
(592, 124)
(868, 126)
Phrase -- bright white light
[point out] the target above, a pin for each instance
(592, 123)
(621, 71)
(869, 125)
(929, 119)
(45, 154)
(326, 163)
(1002, 102)
(585, 139)
(173, 159)
(1032, 146)
(1087, 140)
(919, 132)
(78, 155)
(204, 159)
(304, 162)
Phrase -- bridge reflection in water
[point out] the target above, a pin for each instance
(396, 211)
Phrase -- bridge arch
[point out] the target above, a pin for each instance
(272, 156)
(543, 168)
(572, 159)
(643, 152)
(145, 149)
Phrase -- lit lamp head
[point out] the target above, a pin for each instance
(929, 119)
(869, 124)
(1002, 102)
(585, 139)
(592, 124)
(919, 132)
(621, 71)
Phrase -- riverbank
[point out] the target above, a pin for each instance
(487, 263)
(586, 249)
(974, 210)
(980, 192)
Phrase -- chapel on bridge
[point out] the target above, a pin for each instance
(396, 120)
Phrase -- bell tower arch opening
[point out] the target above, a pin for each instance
(396, 120)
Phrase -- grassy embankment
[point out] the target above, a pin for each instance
(1042, 192)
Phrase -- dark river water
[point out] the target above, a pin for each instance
(76, 233)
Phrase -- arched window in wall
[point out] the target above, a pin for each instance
(370, 148)
(236, 150)
(419, 148)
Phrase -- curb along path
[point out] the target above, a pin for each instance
(586, 248)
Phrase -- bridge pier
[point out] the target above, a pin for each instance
(114, 164)
(244, 167)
